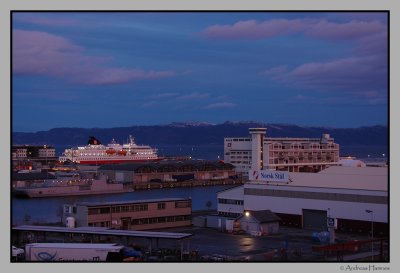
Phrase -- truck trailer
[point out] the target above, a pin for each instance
(64, 252)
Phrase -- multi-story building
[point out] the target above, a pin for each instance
(31, 151)
(132, 215)
(19, 152)
(46, 151)
(32, 157)
(282, 154)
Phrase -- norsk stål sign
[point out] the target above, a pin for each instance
(268, 176)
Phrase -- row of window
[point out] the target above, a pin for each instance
(240, 162)
(230, 201)
(135, 207)
(146, 221)
(229, 214)
(239, 156)
(242, 152)
(155, 220)
(117, 209)
(239, 139)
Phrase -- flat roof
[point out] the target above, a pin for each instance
(357, 178)
(195, 164)
(106, 231)
(131, 202)
(77, 245)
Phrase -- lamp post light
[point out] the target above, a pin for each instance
(45, 154)
(372, 231)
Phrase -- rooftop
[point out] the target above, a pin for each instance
(264, 216)
(357, 178)
(106, 231)
(169, 165)
(130, 202)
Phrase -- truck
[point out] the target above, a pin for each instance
(17, 253)
(63, 252)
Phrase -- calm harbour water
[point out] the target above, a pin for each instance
(47, 210)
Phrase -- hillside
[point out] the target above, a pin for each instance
(198, 134)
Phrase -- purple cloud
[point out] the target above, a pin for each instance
(349, 73)
(322, 29)
(163, 95)
(351, 99)
(252, 29)
(42, 53)
(354, 76)
(51, 22)
(344, 31)
(194, 96)
(220, 105)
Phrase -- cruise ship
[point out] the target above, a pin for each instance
(96, 153)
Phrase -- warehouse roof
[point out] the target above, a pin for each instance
(358, 178)
(170, 166)
(130, 202)
(105, 231)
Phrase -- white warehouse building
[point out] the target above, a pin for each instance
(354, 196)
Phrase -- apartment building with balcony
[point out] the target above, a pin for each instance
(282, 154)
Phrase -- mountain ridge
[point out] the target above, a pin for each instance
(198, 133)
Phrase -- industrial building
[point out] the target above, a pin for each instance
(356, 197)
(130, 215)
(168, 171)
(282, 154)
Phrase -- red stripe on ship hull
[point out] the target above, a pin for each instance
(102, 162)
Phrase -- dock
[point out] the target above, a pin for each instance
(183, 184)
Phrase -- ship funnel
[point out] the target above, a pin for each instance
(93, 141)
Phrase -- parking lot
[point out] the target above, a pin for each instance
(291, 244)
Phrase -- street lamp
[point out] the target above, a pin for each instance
(247, 213)
(372, 231)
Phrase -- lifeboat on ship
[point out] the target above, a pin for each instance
(110, 151)
(121, 152)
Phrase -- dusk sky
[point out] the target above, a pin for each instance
(108, 69)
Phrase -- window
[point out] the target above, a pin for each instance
(153, 220)
(141, 207)
(116, 209)
(104, 210)
(92, 211)
(161, 205)
(124, 208)
(182, 204)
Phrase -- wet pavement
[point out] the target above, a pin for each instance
(209, 245)
(291, 244)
